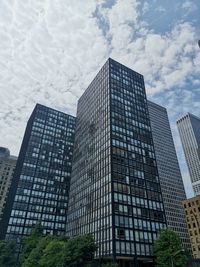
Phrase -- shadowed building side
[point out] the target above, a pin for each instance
(7, 167)
(169, 172)
(40, 186)
(115, 191)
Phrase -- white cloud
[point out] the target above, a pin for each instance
(51, 50)
(145, 7)
(189, 6)
(160, 9)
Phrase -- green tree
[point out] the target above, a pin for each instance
(109, 265)
(31, 242)
(79, 251)
(168, 250)
(53, 251)
(53, 254)
(7, 254)
(33, 259)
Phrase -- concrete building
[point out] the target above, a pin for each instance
(115, 191)
(189, 131)
(172, 187)
(192, 214)
(7, 166)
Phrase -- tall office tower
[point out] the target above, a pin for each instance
(115, 190)
(7, 166)
(189, 131)
(39, 190)
(169, 172)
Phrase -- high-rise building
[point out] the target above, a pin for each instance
(39, 191)
(7, 166)
(189, 131)
(192, 214)
(115, 191)
(171, 182)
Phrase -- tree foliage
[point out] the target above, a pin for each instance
(109, 265)
(53, 251)
(34, 257)
(49, 251)
(167, 248)
(79, 251)
(53, 254)
(29, 243)
(7, 254)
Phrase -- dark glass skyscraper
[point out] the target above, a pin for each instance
(115, 190)
(40, 186)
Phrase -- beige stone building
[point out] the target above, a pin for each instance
(192, 214)
(7, 166)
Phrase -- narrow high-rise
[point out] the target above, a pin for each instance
(41, 181)
(169, 172)
(189, 131)
(115, 191)
(7, 166)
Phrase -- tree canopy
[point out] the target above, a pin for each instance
(55, 251)
(79, 250)
(109, 265)
(168, 250)
(7, 254)
(29, 243)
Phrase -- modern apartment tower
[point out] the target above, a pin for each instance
(7, 166)
(169, 172)
(115, 191)
(189, 131)
(39, 191)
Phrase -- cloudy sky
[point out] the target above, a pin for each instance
(50, 50)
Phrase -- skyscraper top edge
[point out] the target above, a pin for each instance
(5, 153)
(108, 61)
(124, 66)
(191, 199)
(13, 157)
(187, 115)
(157, 105)
(40, 105)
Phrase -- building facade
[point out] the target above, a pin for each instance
(189, 131)
(39, 191)
(169, 172)
(7, 166)
(115, 191)
(192, 214)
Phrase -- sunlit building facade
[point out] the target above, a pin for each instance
(192, 215)
(189, 131)
(115, 192)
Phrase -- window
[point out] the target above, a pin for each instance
(120, 233)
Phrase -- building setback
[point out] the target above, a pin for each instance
(189, 131)
(169, 172)
(40, 186)
(192, 214)
(7, 166)
(115, 191)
